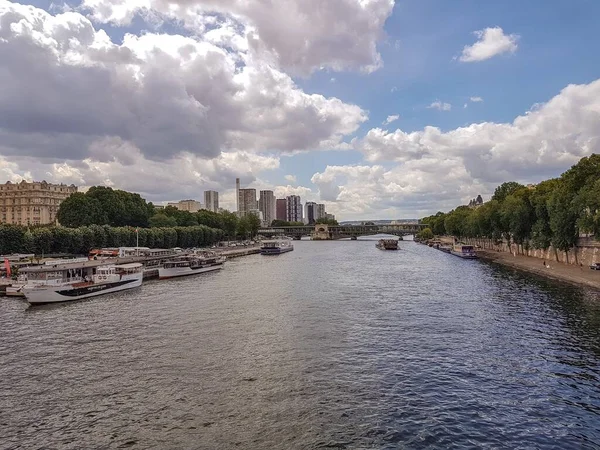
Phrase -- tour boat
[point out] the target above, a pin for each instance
(276, 247)
(387, 244)
(464, 251)
(66, 282)
(198, 262)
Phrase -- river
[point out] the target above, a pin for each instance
(334, 345)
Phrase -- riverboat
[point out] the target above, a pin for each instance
(67, 282)
(445, 248)
(387, 244)
(464, 251)
(276, 247)
(198, 262)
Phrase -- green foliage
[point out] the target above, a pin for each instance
(162, 220)
(79, 210)
(102, 205)
(553, 213)
(505, 189)
(425, 234)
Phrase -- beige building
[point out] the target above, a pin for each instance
(32, 203)
(246, 201)
(187, 205)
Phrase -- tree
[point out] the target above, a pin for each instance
(562, 219)
(518, 216)
(505, 189)
(161, 220)
(230, 223)
(79, 210)
(425, 234)
(541, 232)
(253, 224)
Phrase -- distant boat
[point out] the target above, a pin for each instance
(464, 251)
(199, 262)
(387, 244)
(276, 247)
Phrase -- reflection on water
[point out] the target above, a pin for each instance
(334, 345)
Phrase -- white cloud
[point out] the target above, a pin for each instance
(394, 89)
(543, 142)
(440, 106)
(465, 106)
(391, 119)
(299, 35)
(163, 94)
(491, 42)
(476, 99)
(436, 170)
(290, 178)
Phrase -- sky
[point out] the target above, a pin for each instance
(380, 109)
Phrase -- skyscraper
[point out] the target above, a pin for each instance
(320, 211)
(281, 209)
(293, 208)
(310, 213)
(266, 205)
(211, 200)
(246, 201)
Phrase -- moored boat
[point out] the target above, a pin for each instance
(276, 247)
(464, 251)
(67, 282)
(198, 262)
(387, 244)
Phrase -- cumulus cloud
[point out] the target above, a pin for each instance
(476, 99)
(440, 106)
(300, 35)
(391, 119)
(67, 85)
(401, 191)
(290, 178)
(543, 142)
(490, 42)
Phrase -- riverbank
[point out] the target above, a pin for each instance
(580, 275)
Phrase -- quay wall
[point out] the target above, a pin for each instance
(586, 252)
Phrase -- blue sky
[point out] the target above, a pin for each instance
(327, 50)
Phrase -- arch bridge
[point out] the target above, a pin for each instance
(323, 232)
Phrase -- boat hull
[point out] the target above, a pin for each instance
(463, 256)
(175, 272)
(275, 251)
(58, 294)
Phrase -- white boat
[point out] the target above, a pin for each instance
(67, 282)
(464, 251)
(15, 289)
(276, 247)
(198, 262)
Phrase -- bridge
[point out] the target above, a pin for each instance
(322, 232)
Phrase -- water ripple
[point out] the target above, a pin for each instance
(336, 345)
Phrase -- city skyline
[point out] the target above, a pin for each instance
(378, 110)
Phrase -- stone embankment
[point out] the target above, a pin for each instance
(547, 263)
(569, 273)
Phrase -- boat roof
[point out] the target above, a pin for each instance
(75, 265)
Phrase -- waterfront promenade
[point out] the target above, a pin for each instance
(581, 275)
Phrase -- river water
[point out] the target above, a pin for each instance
(334, 345)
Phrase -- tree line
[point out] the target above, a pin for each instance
(62, 240)
(116, 208)
(553, 213)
